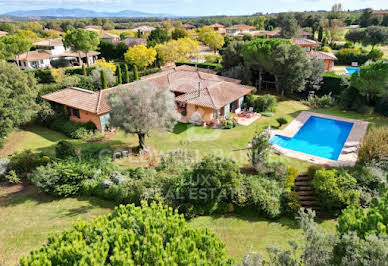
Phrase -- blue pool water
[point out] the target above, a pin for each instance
(351, 70)
(318, 136)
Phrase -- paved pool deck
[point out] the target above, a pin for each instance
(354, 139)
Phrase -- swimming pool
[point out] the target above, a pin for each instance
(318, 136)
(351, 70)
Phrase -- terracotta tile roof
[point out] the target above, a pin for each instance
(217, 25)
(107, 35)
(321, 55)
(308, 42)
(76, 54)
(134, 41)
(49, 42)
(241, 27)
(188, 26)
(34, 56)
(216, 91)
(76, 98)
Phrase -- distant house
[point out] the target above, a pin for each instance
(49, 50)
(307, 44)
(327, 58)
(109, 37)
(218, 28)
(143, 29)
(240, 29)
(130, 42)
(188, 26)
(3, 33)
(96, 29)
(199, 91)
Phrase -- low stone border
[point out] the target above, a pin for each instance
(348, 156)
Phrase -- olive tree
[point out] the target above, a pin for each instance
(140, 108)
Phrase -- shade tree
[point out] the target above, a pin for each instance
(140, 55)
(140, 108)
(12, 45)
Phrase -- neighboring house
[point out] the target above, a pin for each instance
(196, 91)
(241, 29)
(219, 28)
(328, 58)
(109, 37)
(307, 44)
(188, 26)
(143, 29)
(96, 29)
(3, 33)
(49, 50)
(130, 42)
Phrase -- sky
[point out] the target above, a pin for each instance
(192, 7)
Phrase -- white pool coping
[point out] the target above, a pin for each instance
(354, 139)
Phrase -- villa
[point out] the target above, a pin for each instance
(143, 29)
(109, 37)
(218, 28)
(327, 58)
(198, 91)
(50, 50)
(241, 29)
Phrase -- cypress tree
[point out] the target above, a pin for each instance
(104, 83)
(84, 72)
(126, 74)
(119, 78)
(135, 73)
(320, 33)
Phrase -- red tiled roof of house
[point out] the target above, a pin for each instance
(188, 26)
(49, 42)
(107, 35)
(34, 56)
(302, 41)
(241, 27)
(217, 25)
(216, 91)
(321, 55)
(134, 41)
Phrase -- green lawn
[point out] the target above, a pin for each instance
(200, 141)
(28, 217)
(243, 235)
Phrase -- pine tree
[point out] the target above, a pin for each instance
(119, 78)
(84, 72)
(135, 73)
(104, 83)
(126, 74)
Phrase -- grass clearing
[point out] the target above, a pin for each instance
(28, 217)
(243, 235)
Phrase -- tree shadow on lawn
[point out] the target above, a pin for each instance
(31, 193)
(44, 132)
(180, 128)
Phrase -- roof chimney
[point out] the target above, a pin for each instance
(199, 88)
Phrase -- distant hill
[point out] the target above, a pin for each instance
(79, 13)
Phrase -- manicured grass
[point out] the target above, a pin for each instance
(31, 137)
(28, 217)
(232, 143)
(243, 235)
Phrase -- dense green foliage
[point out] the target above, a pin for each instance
(147, 235)
(348, 55)
(12, 45)
(65, 149)
(17, 98)
(158, 35)
(374, 146)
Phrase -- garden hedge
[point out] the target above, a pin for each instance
(331, 83)
(201, 65)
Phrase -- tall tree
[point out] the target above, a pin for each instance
(81, 40)
(156, 36)
(316, 77)
(177, 50)
(355, 35)
(178, 33)
(104, 83)
(18, 91)
(119, 78)
(126, 74)
(142, 108)
(12, 45)
(320, 33)
(291, 68)
(375, 35)
(372, 81)
(289, 27)
(212, 39)
(140, 55)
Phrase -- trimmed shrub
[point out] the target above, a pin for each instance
(290, 202)
(42, 75)
(70, 128)
(374, 145)
(335, 189)
(348, 55)
(200, 65)
(65, 149)
(229, 124)
(382, 106)
(79, 70)
(281, 121)
(147, 235)
(331, 84)
(265, 103)
(26, 161)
